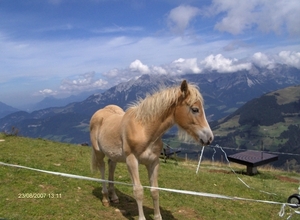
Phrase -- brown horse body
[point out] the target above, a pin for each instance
(134, 136)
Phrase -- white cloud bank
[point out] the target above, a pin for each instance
(182, 66)
(224, 65)
(137, 66)
(290, 58)
(47, 92)
(262, 60)
(218, 63)
(236, 17)
(84, 82)
(267, 16)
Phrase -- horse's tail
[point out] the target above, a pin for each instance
(95, 123)
(94, 161)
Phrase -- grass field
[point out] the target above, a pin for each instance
(65, 198)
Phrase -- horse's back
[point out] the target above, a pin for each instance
(104, 113)
(105, 131)
(114, 109)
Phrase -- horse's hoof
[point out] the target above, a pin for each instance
(105, 203)
(115, 201)
(157, 217)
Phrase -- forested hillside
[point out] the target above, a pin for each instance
(272, 120)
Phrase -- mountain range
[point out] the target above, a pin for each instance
(51, 101)
(6, 109)
(224, 94)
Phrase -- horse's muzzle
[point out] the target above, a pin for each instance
(206, 137)
(209, 141)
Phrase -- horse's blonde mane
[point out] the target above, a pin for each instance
(157, 104)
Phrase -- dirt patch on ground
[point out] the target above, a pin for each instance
(186, 213)
(287, 179)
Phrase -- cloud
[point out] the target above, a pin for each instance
(218, 63)
(238, 15)
(111, 73)
(180, 17)
(105, 55)
(85, 82)
(178, 67)
(47, 92)
(182, 66)
(262, 60)
(159, 70)
(268, 16)
(138, 66)
(118, 75)
(135, 69)
(290, 58)
(223, 65)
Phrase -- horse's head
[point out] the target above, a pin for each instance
(190, 116)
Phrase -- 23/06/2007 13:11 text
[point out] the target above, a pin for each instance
(39, 196)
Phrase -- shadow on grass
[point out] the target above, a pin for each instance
(128, 204)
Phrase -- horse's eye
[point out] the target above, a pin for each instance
(195, 110)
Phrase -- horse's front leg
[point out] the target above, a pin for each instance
(153, 174)
(111, 188)
(138, 191)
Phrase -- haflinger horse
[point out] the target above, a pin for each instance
(135, 136)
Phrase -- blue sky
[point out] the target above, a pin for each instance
(63, 47)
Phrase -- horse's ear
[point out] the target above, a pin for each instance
(184, 88)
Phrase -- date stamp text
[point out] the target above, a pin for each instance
(39, 196)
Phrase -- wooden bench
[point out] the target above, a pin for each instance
(167, 152)
(252, 159)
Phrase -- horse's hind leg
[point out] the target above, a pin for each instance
(111, 188)
(98, 158)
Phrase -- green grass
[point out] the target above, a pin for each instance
(81, 199)
(229, 126)
(287, 95)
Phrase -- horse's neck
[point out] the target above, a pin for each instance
(158, 127)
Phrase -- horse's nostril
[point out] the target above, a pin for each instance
(208, 142)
